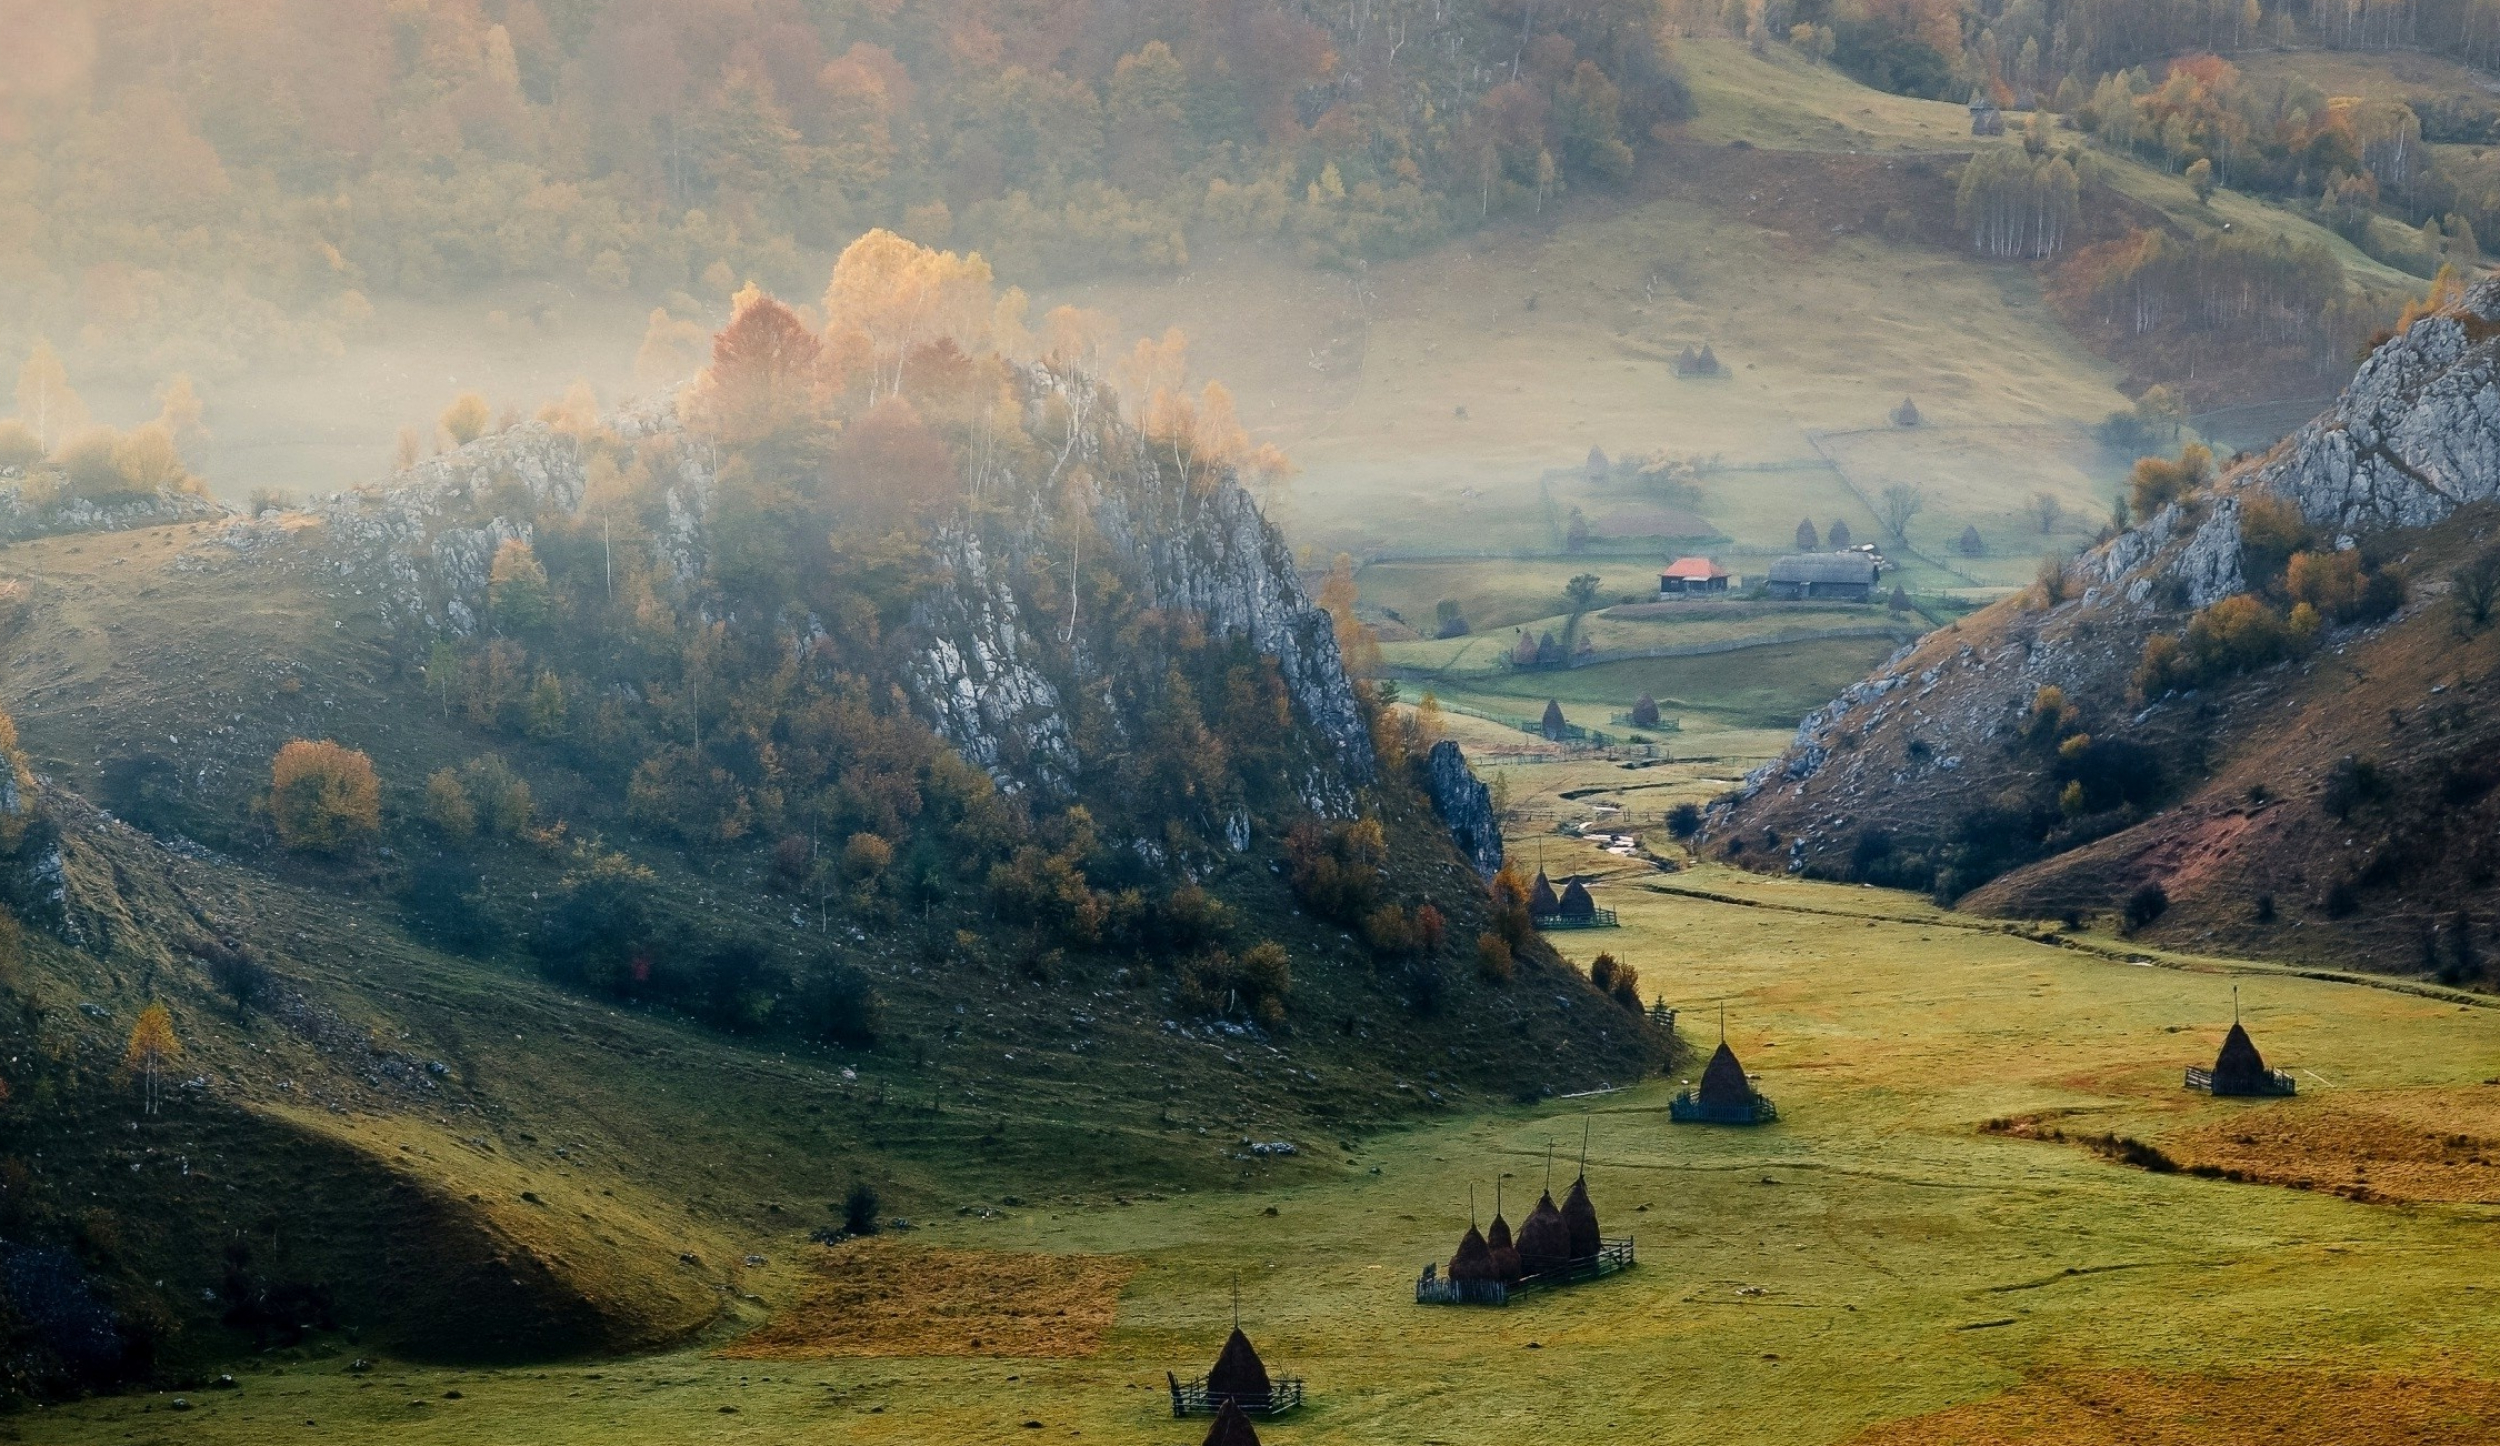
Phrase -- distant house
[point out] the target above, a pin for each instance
(1825, 577)
(1691, 576)
(1985, 118)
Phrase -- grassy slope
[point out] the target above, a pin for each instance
(708, 1144)
(1873, 1256)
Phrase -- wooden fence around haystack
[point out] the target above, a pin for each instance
(1190, 1398)
(1434, 1288)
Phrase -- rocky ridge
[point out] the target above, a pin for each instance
(1928, 738)
(975, 661)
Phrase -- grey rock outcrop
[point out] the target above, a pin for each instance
(2413, 437)
(1465, 806)
(42, 512)
(427, 540)
(1227, 563)
(977, 674)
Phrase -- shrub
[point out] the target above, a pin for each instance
(1617, 981)
(323, 798)
(2107, 772)
(2272, 533)
(1254, 983)
(2156, 482)
(516, 586)
(599, 931)
(2051, 717)
(735, 986)
(1048, 891)
(2147, 903)
(859, 1209)
(1510, 890)
(2235, 635)
(1684, 820)
(836, 1003)
(1335, 872)
(2164, 667)
(1389, 931)
(794, 858)
(87, 459)
(464, 421)
(1187, 920)
(1431, 930)
(19, 446)
(865, 858)
(447, 809)
(1494, 964)
(502, 797)
(2475, 589)
(2352, 782)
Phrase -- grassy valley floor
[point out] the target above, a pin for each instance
(1927, 1247)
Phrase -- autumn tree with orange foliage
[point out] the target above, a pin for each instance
(323, 798)
(768, 373)
(151, 1050)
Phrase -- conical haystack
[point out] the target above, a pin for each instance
(1541, 896)
(1474, 1260)
(1723, 1082)
(1238, 1373)
(1576, 903)
(1505, 1254)
(1231, 1428)
(2239, 1068)
(1544, 1240)
(1580, 1220)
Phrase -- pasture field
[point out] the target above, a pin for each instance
(1762, 690)
(1908, 1255)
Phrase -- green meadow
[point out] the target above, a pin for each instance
(1879, 1253)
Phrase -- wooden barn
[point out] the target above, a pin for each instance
(1825, 577)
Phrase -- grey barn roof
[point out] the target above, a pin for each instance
(1832, 567)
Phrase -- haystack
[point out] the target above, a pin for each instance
(1580, 1221)
(1542, 898)
(1474, 1260)
(1505, 1254)
(1576, 903)
(1723, 1082)
(1239, 1374)
(1231, 1428)
(2239, 1068)
(1544, 1240)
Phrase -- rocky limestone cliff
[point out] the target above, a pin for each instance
(975, 659)
(44, 511)
(1465, 806)
(1929, 741)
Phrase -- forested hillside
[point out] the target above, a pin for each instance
(242, 176)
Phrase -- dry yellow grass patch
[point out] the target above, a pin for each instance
(883, 1299)
(2412, 1145)
(2282, 1408)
